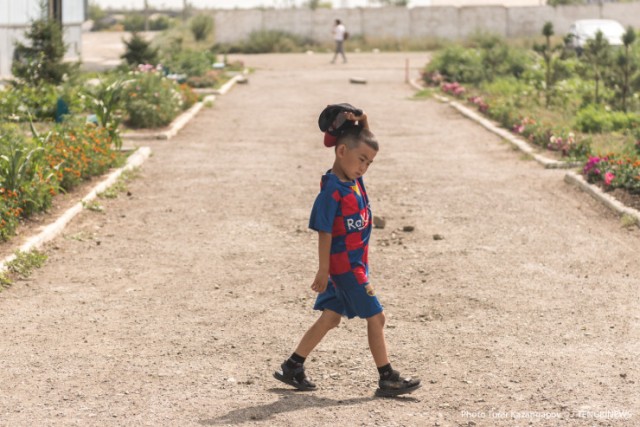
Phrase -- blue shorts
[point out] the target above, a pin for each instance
(348, 299)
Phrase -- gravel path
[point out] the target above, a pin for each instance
(175, 305)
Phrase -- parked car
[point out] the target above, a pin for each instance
(585, 29)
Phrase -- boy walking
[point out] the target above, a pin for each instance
(342, 217)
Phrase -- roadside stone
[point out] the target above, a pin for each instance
(379, 222)
(438, 237)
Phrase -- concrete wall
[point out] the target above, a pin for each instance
(444, 22)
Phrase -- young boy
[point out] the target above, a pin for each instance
(342, 217)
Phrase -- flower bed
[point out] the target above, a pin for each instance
(574, 107)
(33, 170)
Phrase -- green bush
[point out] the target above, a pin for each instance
(139, 51)
(19, 101)
(594, 119)
(42, 60)
(161, 23)
(33, 170)
(189, 62)
(209, 79)
(201, 26)
(76, 151)
(269, 41)
(151, 100)
(457, 64)
(133, 22)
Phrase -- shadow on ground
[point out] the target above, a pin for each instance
(290, 401)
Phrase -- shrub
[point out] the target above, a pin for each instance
(201, 26)
(139, 51)
(269, 41)
(21, 100)
(161, 23)
(594, 119)
(189, 62)
(77, 151)
(457, 64)
(209, 79)
(134, 22)
(26, 184)
(42, 60)
(614, 172)
(151, 100)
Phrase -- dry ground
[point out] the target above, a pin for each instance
(174, 306)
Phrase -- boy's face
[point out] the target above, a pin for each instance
(354, 162)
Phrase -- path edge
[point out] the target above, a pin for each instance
(519, 143)
(597, 193)
(176, 125)
(571, 177)
(55, 228)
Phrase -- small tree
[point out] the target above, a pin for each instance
(625, 65)
(547, 51)
(201, 26)
(41, 60)
(597, 56)
(139, 51)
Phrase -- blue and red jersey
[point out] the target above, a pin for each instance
(342, 209)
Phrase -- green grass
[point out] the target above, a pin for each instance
(22, 266)
(93, 206)
(120, 186)
(628, 221)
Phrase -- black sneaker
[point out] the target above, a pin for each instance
(294, 377)
(392, 385)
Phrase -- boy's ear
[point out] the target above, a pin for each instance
(341, 149)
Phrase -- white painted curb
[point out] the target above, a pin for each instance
(519, 143)
(185, 117)
(54, 229)
(175, 126)
(225, 87)
(597, 193)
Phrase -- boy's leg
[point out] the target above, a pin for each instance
(390, 384)
(377, 343)
(292, 370)
(328, 320)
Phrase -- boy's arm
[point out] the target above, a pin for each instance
(324, 250)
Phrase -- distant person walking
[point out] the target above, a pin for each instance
(339, 35)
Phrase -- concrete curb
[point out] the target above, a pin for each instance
(55, 228)
(174, 127)
(570, 177)
(185, 117)
(519, 143)
(225, 87)
(597, 193)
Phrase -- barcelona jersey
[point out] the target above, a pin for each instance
(342, 209)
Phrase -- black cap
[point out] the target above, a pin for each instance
(333, 123)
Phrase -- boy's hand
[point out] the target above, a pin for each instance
(320, 282)
(361, 119)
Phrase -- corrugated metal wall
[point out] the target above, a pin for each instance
(16, 15)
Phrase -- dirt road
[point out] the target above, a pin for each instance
(175, 305)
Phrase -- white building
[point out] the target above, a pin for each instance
(16, 16)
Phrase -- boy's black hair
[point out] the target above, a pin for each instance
(357, 135)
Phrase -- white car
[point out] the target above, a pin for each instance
(586, 29)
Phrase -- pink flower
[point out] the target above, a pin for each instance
(608, 177)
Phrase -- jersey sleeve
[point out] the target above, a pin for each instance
(324, 211)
